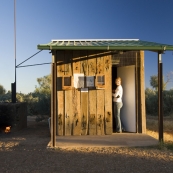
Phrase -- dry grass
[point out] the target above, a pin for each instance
(152, 129)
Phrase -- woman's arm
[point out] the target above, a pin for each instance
(116, 93)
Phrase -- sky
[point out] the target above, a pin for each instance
(40, 21)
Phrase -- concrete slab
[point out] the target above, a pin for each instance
(114, 140)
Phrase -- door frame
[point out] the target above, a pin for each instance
(131, 126)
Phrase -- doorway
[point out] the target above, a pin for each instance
(128, 111)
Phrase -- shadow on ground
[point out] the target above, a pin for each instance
(25, 151)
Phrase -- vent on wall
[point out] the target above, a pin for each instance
(115, 61)
(66, 82)
(100, 81)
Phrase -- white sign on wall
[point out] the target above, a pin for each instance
(79, 80)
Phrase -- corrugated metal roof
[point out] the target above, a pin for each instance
(104, 44)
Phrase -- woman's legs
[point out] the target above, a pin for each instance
(117, 107)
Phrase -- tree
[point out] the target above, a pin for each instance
(2, 90)
(43, 93)
(44, 85)
(154, 81)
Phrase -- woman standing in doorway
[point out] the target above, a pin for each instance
(117, 100)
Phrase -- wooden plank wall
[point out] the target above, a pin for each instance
(84, 95)
(68, 94)
(100, 101)
(76, 115)
(84, 113)
(76, 98)
(92, 97)
(100, 112)
(90, 113)
(60, 95)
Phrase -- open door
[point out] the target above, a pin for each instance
(128, 111)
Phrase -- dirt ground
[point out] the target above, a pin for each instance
(26, 151)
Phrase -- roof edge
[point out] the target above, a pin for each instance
(106, 48)
(94, 40)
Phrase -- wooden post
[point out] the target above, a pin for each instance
(108, 96)
(160, 99)
(51, 127)
(53, 102)
(141, 91)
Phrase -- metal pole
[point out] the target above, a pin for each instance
(14, 84)
(160, 97)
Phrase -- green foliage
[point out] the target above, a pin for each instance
(151, 100)
(41, 103)
(168, 102)
(165, 145)
(6, 97)
(31, 104)
(43, 93)
(152, 96)
(154, 82)
(2, 90)
(169, 145)
(44, 85)
(38, 102)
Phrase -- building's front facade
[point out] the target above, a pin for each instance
(83, 75)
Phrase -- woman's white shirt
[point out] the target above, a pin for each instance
(118, 92)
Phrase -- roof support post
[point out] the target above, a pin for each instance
(53, 100)
(160, 98)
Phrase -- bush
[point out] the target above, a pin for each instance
(168, 102)
(5, 97)
(37, 103)
(2, 90)
(151, 100)
(5, 115)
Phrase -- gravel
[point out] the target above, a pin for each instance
(26, 151)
